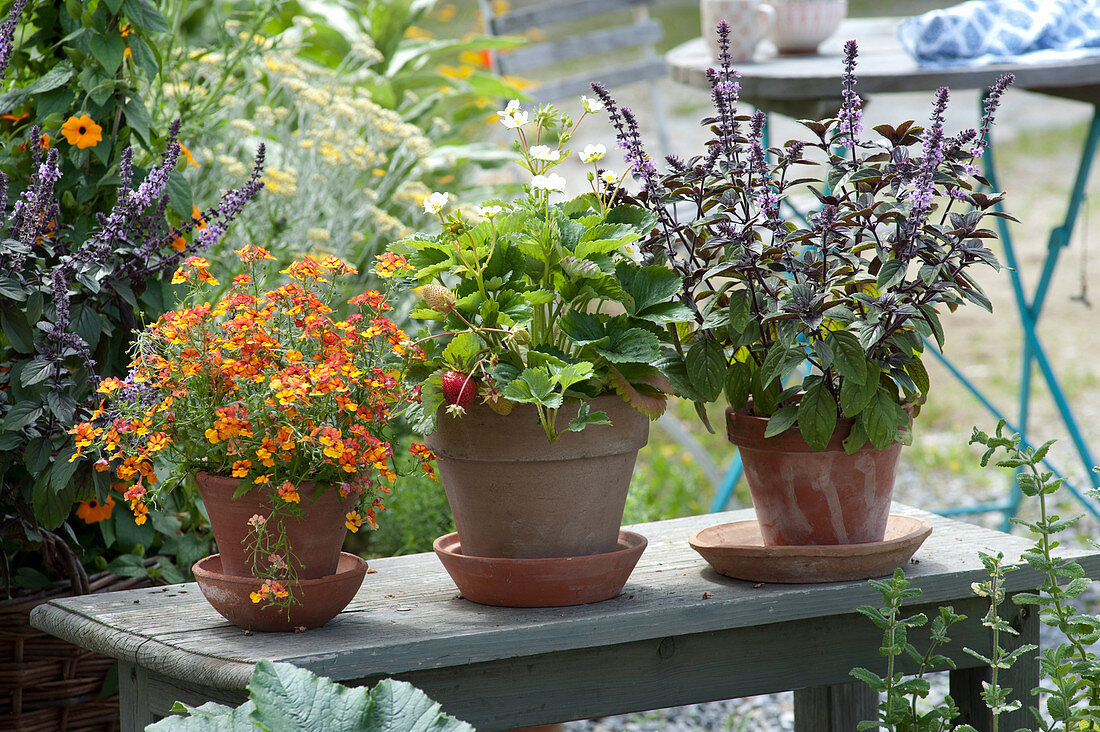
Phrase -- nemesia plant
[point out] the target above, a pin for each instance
(853, 290)
(267, 386)
(539, 301)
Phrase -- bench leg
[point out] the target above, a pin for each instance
(133, 698)
(966, 684)
(836, 708)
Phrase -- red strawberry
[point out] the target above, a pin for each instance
(459, 389)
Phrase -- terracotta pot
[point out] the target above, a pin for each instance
(320, 599)
(803, 496)
(542, 582)
(514, 494)
(801, 25)
(315, 538)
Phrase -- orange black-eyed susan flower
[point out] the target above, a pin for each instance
(92, 511)
(82, 131)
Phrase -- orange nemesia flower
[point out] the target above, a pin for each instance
(82, 131)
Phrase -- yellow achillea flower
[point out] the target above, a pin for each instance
(82, 131)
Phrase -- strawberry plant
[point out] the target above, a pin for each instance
(539, 300)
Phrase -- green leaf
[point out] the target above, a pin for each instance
(632, 345)
(572, 374)
(10, 288)
(706, 368)
(919, 374)
(180, 197)
(145, 15)
(37, 454)
(210, 717)
(290, 699)
(585, 418)
(533, 386)
(56, 77)
(582, 328)
(891, 273)
(461, 351)
(108, 50)
(781, 421)
(17, 330)
(880, 419)
(738, 384)
(137, 117)
(36, 371)
(817, 416)
(856, 439)
(648, 285)
(21, 415)
(52, 502)
(740, 311)
(855, 395)
(849, 358)
(62, 404)
(779, 363)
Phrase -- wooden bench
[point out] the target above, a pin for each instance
(678, 634)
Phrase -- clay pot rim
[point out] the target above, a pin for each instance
(358, 565)
(919, 527)
(751, 430)
(629, 541)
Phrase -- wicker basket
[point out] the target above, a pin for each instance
(46, 684)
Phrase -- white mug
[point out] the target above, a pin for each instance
(801, 25)
(749, 21)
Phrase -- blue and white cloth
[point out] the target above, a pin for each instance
(1003, 31)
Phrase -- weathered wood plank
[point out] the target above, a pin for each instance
(1022, 678)
(884, 67)
(408, 616)
(605, 40)
(543, 14)
(838, 708)
(613, 78)
(675, 670)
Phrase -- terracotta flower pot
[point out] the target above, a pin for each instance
(804, 496)
(315, 538)
(514, 494)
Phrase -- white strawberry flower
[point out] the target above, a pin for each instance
(512, 116)
(542, 152)
(552, 182)
(609, 178)
(592, 153)
(435, 202)
(591, 105)
(488, 212)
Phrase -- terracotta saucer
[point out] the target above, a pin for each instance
(321, 599)
(737, 550)
(542, 582)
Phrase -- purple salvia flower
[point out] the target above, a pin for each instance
(992, 101)
(637, 156)
(126, 169)
(7, 34)
(3, 198)
(922, 187)
(612, 112)
(850, 115)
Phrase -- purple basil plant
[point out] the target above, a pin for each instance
(853, 288)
